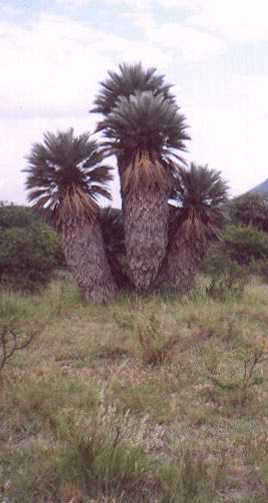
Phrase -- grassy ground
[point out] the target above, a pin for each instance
(145, 400)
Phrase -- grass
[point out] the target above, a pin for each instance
(140, 401)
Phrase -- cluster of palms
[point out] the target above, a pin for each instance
(170, 210)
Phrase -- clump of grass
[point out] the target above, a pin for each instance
(191, 478)
(156, 346)
(244, 375)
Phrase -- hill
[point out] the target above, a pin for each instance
(262, 188)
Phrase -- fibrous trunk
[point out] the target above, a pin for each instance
(86, 258)
(145, 211)
(181, 264)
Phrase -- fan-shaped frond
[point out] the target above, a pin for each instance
(200, 193)
(127, 81)
(144, 123)
(64, 176)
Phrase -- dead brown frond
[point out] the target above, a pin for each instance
(76, 204)
(144, 170)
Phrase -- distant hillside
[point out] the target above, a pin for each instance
(262, 188)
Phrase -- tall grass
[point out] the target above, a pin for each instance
(138, 401)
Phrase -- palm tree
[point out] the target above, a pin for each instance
(129, 79)
(65, 178)
(144, 131)
(200, 195)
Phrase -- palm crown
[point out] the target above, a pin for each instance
(200, 193)
(129, 79)
(145, 123)
(65, 176)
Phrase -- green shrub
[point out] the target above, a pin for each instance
(12, 215)
(245, 244)
(28, 256)
(250, 209)
(226, 277)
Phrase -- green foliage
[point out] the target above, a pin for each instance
(189, 480)
(250, 209)
(12, 215)
(227, 279)
(248, 358)
(29, 254)
(245, 244)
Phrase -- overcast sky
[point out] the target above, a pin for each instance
(53, 53)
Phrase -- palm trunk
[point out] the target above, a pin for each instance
(86, 258)
(145, 212)
(181, 264)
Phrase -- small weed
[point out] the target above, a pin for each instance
(13, 338)
(248, 359)
(155, 350)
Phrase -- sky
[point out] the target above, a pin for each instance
(54, 53)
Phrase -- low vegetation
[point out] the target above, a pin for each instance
(153, 399)
(29, 249)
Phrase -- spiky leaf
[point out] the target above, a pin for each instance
(127, 81)
(65, 175)
(200, 194)
(145, 123)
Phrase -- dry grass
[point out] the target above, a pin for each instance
(139, 401)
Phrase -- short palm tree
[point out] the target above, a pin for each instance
(65, 177)
(144, 131)
(200, 195)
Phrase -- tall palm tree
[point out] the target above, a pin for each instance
(144, 131)
(65, 178)
(200, 195)
(128, 80)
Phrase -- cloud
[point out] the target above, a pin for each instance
(239, 21)
(194, 45)
(52, 67)
(74, 3)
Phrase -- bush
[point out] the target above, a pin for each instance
(245, 244)
(12, 215)
(250, 209)
(29, 249)
(226, 277)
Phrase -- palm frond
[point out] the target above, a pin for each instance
(144, 123)
(127, 81)
(200, 194)
(64, 175)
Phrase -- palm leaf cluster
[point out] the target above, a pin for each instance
(144, 122)
(129, 79)
(143, 126)
(200, 194)
(66, 176)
